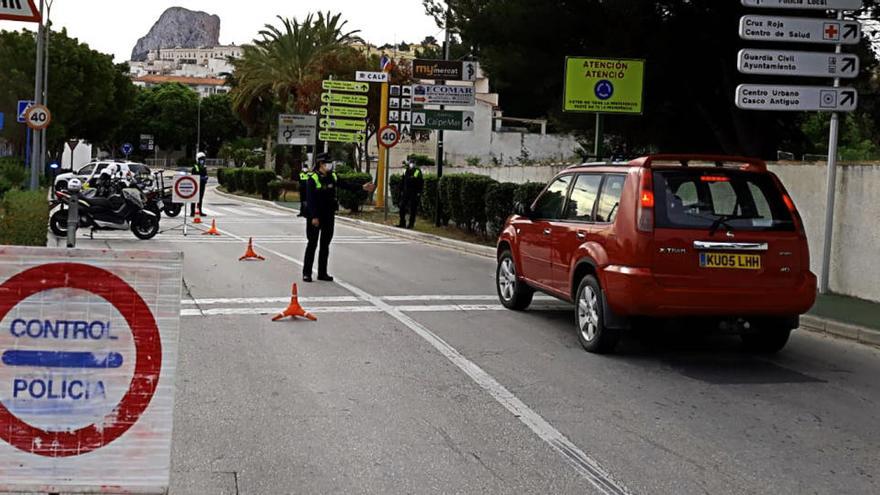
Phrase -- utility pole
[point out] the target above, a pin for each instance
(438, 215)
(199, 126)
(830, 186)
(44, 132)
(36, 149)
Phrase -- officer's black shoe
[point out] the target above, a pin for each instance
(307, 278)
(325, 278)
(401, 226)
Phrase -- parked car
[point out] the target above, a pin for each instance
(714, 238)
(88, 172)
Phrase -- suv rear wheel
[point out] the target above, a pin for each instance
(589, 315)
(513, 293)
(766, 336)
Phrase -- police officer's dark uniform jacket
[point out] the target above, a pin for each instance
(321, 203)
(202, 171)
(411, 185)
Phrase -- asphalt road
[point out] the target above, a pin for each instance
(413, 380)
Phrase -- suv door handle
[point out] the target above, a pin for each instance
(581, 235)
(547, 231)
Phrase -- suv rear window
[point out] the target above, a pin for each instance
(731, 199)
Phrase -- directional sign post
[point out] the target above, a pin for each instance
(23, 105)
(297, 130)
(349, 112)
(444, 70)
(89, 347)
(799, 30)
(793, 63)
(371, 77)
(350, 86)
(343, 125)
(429, 94)
(344, 99)
(795, 98)
(805, 4)
(445, 120)
(804, 64)
(342, 137)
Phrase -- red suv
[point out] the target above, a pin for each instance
(665, 236)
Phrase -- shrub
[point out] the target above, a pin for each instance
(235, 179)
(255, 159)
(273, 190)
(421, 160)
(287, 186)
(394, 185)
(344, 169)
(450, 192)
(24, 216)
(352, 200)
(262, 178)
(248, 182)
(221, 176)
(429, 197)
(527, 193)
(13, 175)
(473, 200)
(499, 205)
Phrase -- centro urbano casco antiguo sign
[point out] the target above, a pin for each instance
(88, 349)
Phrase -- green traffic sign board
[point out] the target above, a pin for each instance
(351, 112)
(444, 120)
(354, 87)
(341, 137)
(603, 85)
(344, 125)
(344, 99)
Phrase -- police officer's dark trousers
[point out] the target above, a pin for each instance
(409, 204)
(203, 183)
(320, 235)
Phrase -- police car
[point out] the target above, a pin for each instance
(94, 168)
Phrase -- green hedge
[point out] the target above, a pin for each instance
(236, 177)
(221, 176)
(527, 193)
(262, 178)
(13, 175)
(249, 180)
(24, 217)
(286, 186)
(473, 198)
(394, 184)
(274, 189)
(499, 205)
(352, 200)
(429, 199)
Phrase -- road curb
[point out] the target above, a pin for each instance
(429, 239)
(862, 335)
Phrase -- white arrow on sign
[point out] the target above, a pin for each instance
(792, 63)
(799, 30)
(805, 4)
(796, 98)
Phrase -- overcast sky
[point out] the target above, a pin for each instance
(114, 26)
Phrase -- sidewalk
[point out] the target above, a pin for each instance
(839, 316)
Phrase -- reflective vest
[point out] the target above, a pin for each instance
(304, 176)
(317, 180)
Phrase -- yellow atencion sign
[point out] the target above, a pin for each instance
(603, 85)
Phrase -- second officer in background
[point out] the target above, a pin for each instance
(411, 185)
(321, 205)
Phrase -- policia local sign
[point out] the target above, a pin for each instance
(603, 85)
(88, 352)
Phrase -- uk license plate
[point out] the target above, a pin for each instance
(735, 261)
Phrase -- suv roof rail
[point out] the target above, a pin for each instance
(753, 164)
(600, 164)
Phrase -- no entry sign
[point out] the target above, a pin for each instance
(185, 189)
(88, 347)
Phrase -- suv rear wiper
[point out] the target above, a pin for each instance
(723, 219)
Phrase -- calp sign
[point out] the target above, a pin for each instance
(88, 346)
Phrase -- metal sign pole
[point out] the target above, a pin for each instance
(38, 99)
(72, 218)
(600, 137)
(830, 186)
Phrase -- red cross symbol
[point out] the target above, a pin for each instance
(831, 31)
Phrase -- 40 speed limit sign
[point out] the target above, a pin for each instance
(389, 136)
(38, 117)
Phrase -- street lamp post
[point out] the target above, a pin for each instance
(36, 150)
(44, 132)
(199, 124)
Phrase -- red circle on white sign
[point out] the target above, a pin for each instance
(148, 358)
(186, 187)
(389, 136)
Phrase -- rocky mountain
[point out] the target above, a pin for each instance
(179, 27)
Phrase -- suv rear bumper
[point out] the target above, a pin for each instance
(634, 292)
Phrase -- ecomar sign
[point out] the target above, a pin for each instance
(603, 85)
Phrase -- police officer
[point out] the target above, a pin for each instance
(201, 170)
(303, 184)
(321, 205)
(411, 186)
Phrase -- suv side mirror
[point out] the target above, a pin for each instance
(523, 210)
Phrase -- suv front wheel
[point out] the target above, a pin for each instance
(589, 315)
(513, 293)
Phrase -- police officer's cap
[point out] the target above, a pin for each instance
(322, 158)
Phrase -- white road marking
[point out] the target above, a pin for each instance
(266, 300)
(276, 310)
(585, 465)
(272, 213)
(209, 212)
(235, 211)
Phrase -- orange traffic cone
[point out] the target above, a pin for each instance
(198, 216)
(250, 254)
(294, 309)
(213, 230)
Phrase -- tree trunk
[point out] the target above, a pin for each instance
(269, 161)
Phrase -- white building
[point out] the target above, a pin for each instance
(205, 86)
(187, 62)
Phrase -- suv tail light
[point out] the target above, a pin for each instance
(646, 202)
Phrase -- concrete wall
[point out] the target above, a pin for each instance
(855, 268)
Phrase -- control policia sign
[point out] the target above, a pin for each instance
(88, 352)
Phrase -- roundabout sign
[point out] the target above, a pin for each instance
(88, 347)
